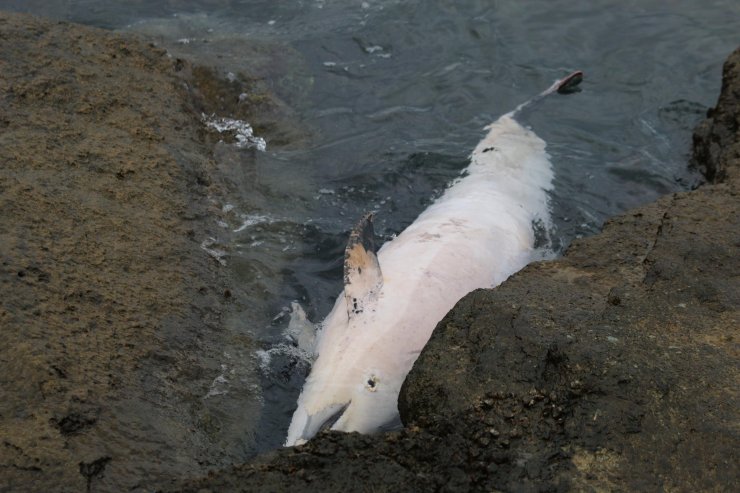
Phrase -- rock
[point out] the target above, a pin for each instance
(716, 143)
(110, 309)
(612, 368)
(572, 377)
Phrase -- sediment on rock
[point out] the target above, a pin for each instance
(612, 368)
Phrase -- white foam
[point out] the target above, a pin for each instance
(219, 384)
(249, 220)
(217, 253)
(243, 132)
(264, 356)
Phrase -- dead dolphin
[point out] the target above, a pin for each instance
(478, 233)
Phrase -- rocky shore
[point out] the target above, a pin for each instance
(612, 368)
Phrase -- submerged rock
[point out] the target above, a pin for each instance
(612, 368)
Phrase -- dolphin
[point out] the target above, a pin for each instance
(477, 234)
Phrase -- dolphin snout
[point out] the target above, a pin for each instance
(305, 426)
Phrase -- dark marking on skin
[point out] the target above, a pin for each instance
(489, 149)
(424, 237)
(372, 383)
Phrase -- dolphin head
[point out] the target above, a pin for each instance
(350, 388)
(352, 399)
(373, 405)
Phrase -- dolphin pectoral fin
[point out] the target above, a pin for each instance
(297, 426)
(301, 329)
(362, 276)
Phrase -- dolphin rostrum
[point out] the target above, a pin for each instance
(478, 233)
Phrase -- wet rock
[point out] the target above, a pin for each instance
(612, 368)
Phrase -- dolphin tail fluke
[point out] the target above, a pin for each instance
(566, 85)
(569, 84)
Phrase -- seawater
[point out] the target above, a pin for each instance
(393, 96)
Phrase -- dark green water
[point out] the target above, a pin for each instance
(393, 96)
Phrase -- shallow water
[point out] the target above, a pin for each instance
(392, 97)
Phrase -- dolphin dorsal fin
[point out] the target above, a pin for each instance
(362, 276)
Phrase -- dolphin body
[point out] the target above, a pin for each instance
(477, 234)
